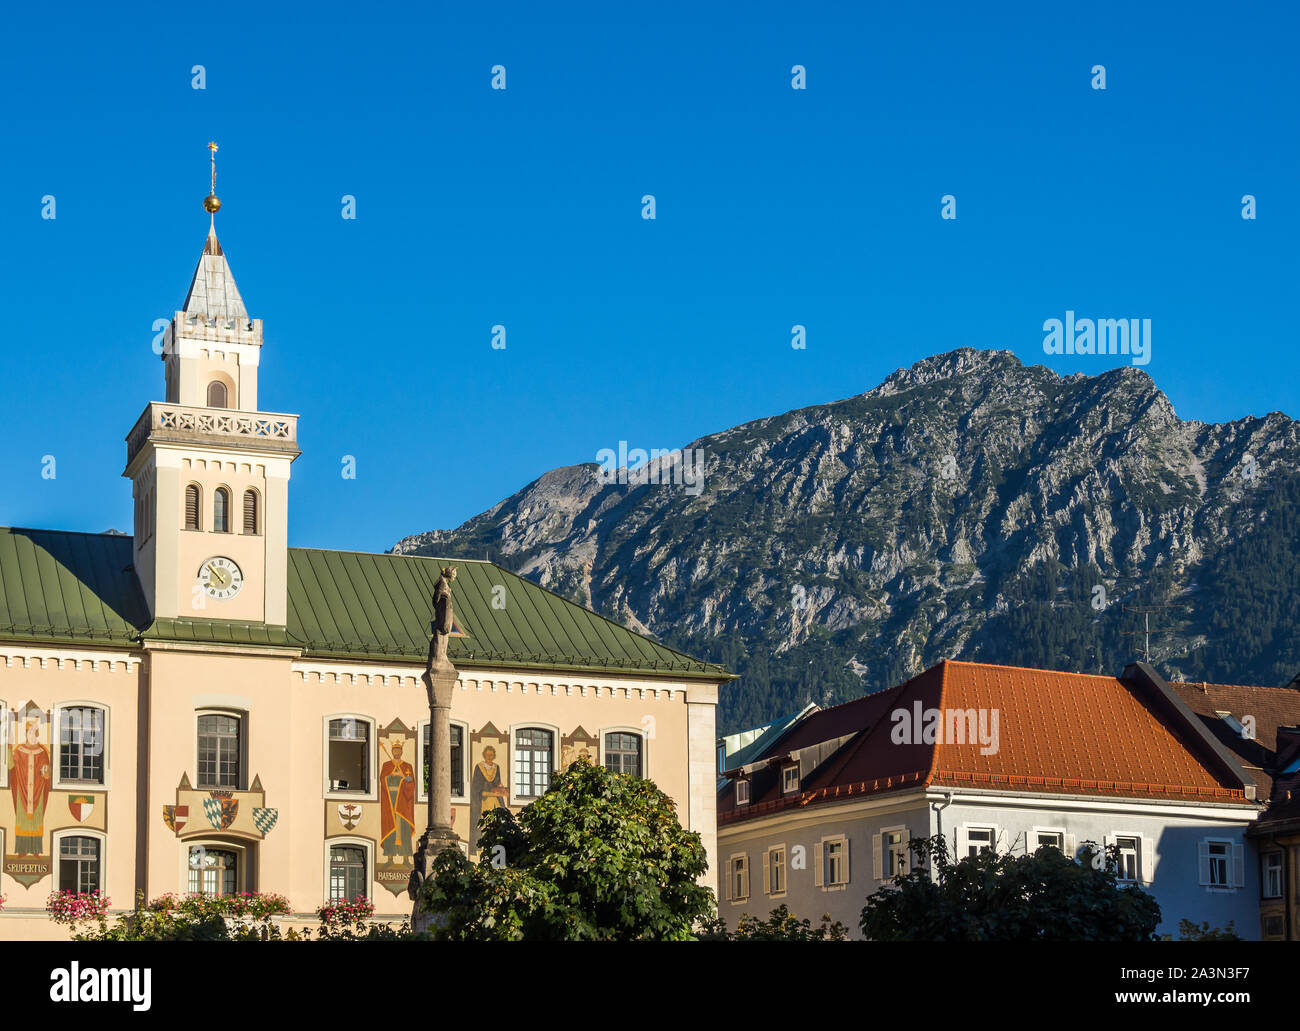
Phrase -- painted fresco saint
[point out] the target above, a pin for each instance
(397, 806)
(29, 781)
(487, 791)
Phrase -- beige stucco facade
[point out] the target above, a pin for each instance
(152, 699)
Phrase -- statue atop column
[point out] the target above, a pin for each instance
(440, 678)
(443, 620)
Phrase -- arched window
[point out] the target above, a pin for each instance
(214, 871)
(623, 753)
(192, 503)
(348, 877)
(217, 394)
(220, 751)
(349, 755)
(534, 760)
(81, 744)
(79, 863)
(221, 510)
(250, 512)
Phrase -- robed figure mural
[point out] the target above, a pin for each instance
(30, 777)
(487, 791)
(397, 806)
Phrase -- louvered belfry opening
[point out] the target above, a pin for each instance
(192, 507)
(217, 395)
(250, 512)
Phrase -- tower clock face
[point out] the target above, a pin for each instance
(221, 578)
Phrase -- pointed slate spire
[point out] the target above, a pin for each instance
(213, 293)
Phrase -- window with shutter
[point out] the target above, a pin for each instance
(1147, 868)
(192, 507)
(216, 394)
(250, 511)
(776, 870)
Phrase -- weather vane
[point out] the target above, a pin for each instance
(211, 204)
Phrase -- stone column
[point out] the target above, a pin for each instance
(440, 682)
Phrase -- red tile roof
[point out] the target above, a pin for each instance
(1058, 733)
(1272, 707)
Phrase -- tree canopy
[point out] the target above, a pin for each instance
(991, 896)
(599, 857)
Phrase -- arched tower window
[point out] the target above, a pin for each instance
(217, 395)
(251, 513)
(192, 502)
(221, 510)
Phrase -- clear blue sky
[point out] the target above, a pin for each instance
(522, 207)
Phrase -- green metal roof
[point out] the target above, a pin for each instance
(81, 588)
(346, 604)
(69, 587)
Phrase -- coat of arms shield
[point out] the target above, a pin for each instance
(176, 816)
(81, 806)
(220, 809)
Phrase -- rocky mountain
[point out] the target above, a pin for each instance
(968, 507)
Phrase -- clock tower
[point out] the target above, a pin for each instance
(209, 469)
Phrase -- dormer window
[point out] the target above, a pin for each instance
(789, 780)
(217, 395)
(742, 792)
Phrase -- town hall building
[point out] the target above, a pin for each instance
(200, 707)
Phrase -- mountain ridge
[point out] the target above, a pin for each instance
(968, 506)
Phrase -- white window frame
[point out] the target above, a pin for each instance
(1140, 857)
(420, 794)
(637, 731)
(79, 832)
(786, 789)
(517, 800)
(745, 781)
(241, 783)
(732, 896)
(963, 837)
(1235, 865)
(767, 871)
(371, 794)
(819, 873)
(56, 743)
(880, 850)
(1280, 856)
(364, 843)
(1032, 843)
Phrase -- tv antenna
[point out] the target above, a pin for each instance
(1147, 611)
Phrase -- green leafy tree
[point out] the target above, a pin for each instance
(1190, 931)
(599, 857)
(780, 926)
(1044, 896)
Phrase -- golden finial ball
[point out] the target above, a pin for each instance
(211, 204)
